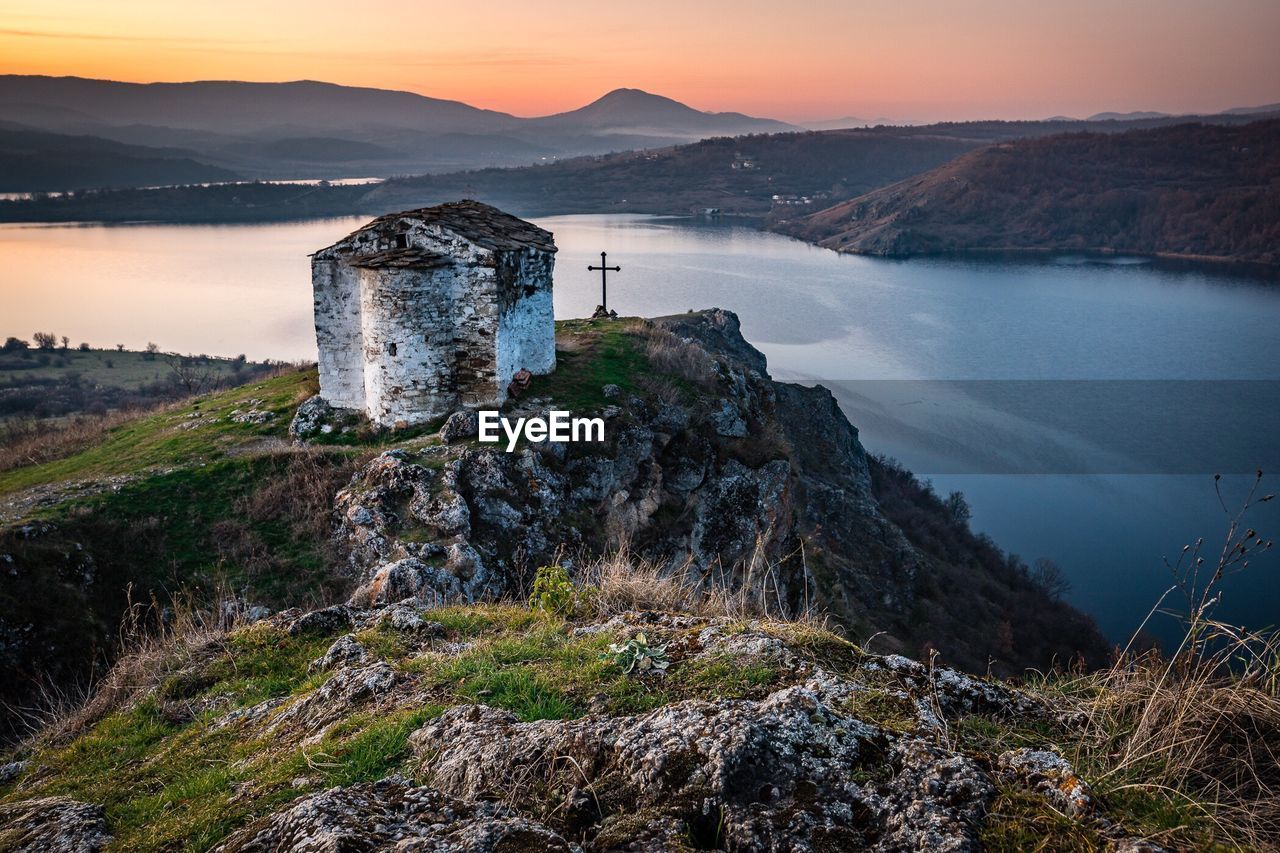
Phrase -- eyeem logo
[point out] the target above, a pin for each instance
(558, 426)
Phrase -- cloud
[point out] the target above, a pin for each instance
(176, 40)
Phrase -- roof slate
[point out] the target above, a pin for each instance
(480, 223)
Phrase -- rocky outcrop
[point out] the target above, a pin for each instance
(775, 774)
(741, 482)
(831, 749)
(724, 488)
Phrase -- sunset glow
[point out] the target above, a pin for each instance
(906, 59)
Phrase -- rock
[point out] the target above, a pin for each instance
(52, 825)
(345, 651)
(257, 613)
(935, 801)
(393, 815)
(409, 578)
(408, 620)
(330, 620)
(251, 416)
(752, 775)
(312, 415)
(611, 391)
(11, 771)
(336, 699)
(727, 421)
(1050, 775)
(460, 425)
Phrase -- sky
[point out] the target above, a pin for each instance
(813, 59)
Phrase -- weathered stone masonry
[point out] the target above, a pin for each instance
(422, 312)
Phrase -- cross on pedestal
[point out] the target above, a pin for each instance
(604, 281)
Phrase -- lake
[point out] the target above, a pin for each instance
(1082, 406)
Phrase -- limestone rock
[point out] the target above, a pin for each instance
(345, 651)
(1051, 776)
(761, 775)
(727, 420)
(337, 698)
(52, 825)
(408, 578)
(310, 419)
(462, 424)
(392, 815)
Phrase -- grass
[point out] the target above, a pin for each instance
(126, 369)
(589, 355)
(160, 440)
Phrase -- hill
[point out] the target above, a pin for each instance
(498, 677)
(740, 481)
(36, 161)
(1190, 190)
(731, 175)
(310, 129)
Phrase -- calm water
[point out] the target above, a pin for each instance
(911, 349)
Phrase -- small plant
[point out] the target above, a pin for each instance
(637, 655)
(553, 592)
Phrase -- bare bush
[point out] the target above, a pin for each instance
(193, 375)
(155, 641)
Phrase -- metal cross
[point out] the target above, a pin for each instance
(604, 282)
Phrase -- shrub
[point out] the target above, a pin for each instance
(553, 592)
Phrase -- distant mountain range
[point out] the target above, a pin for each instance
(307, 129)
(1138, 115)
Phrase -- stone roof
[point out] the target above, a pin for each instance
(402, 258)
(482, 224)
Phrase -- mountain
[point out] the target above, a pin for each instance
(1248, 111)
(709, 467)
(779, 174)
(32, 161)
(238, 108)
(273, 130)
(1130, 116)
(635, 112)
(1189, 190)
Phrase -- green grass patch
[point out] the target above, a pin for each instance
(590, 355)
(378, 747)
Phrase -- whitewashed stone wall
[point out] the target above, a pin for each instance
(336, 292)
(410, 344)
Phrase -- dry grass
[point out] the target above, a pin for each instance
(155, 641)
(621, 581)
(670, 354)
(303, 495)
(1202, 725)
(35, 442)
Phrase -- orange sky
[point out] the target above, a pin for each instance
(905, 59)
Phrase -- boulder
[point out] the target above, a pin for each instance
(52, 825)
